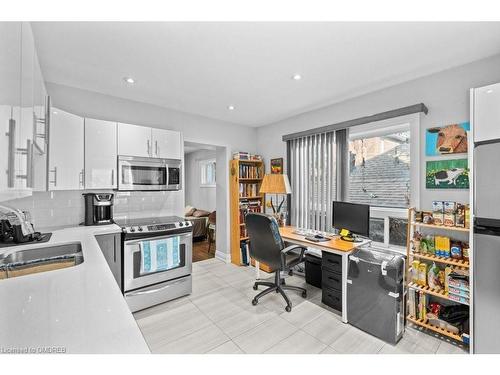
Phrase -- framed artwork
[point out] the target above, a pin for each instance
(448, 139)
(447, 174)
(277, 166)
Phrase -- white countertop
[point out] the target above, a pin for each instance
(79, 309)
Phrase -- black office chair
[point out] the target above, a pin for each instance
(267, 246)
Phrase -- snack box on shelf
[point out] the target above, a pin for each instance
(460, 299)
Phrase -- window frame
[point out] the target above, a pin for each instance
(378, 128)
(203, 166)
(374, 129)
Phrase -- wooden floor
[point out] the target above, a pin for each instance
(200, 251)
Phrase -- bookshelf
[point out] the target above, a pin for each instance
(245, 178)
(441, 261)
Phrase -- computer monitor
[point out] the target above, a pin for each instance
(351, 216)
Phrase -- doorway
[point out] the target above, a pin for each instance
(200, 171)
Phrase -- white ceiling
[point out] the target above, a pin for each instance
(203, 68)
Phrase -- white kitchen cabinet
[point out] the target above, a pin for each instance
(487, 113)
(134, 140)
(66, 160)
(166, 144)
(100, 154)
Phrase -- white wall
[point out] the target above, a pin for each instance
(194, 128)
(446, 94)
(199, 197)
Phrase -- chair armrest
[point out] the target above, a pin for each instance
(287, 249)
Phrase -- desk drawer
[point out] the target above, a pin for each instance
(332, 262)
(332, 298)
(331, 279)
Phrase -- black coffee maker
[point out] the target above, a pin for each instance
(98, 208)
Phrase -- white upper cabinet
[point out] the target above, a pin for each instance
(100, 154)
(166, 144)
(487, 113)
(134, 140)
(66, 161)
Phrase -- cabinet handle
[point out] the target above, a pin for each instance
(114, 250)
(82, 178)
(156, 148)
(11, 156)
(333, 278)
(29, 164)
(55, 176)
(333, 261)
(148, 148)
(112, 177)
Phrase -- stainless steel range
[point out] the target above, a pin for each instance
(157, 260)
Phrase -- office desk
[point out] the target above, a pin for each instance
(336, 246)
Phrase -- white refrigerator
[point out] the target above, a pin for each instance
(486, 217)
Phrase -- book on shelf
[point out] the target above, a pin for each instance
(249, 171)
(242, 155)
(248, 206)
(248, 190)
(245, 259)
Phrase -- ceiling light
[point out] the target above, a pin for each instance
(489, 91)
(129, 80)
(230, 107)
(296, 77)
(54, 112)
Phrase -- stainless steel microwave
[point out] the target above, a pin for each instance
(138, 173)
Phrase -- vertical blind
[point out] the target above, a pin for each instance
(312, 163)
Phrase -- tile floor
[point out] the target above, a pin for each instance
(218, 318)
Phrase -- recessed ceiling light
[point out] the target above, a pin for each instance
(54, 112)
(230, 107)
(296, 77)
(489, 91)
(129, 80)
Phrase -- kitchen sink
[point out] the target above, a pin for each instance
(41, 259)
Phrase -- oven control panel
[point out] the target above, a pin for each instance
(157, 227)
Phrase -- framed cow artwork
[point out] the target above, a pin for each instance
(448, 139)
(447, 174)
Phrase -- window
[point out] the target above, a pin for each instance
(379, 168)
(367, 164)
(379, 175)
(207, 169)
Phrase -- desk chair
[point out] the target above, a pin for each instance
(267, 246)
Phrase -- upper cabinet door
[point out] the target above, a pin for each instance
(134, 140)
(166, 144)
(10, 105)
(100, 154)
(487, 113)
(66, 159)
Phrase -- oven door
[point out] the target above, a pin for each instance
(136, 173)
(153, 260)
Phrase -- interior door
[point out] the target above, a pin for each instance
(134, 140)
(166, 144)
(66, 160)
(100, 154)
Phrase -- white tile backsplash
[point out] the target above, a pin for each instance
(63, 208)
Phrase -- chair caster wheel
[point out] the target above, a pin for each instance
(304, 294)
(288, 308)
(290, 273)
(254, 302)
(255, 287)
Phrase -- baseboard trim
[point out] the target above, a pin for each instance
(223, 256)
